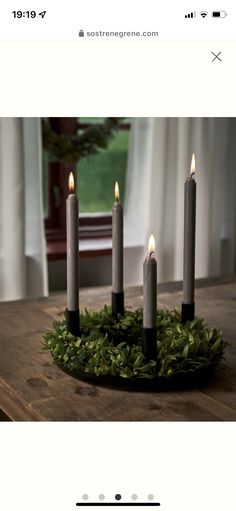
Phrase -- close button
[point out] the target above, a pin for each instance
(216, 56)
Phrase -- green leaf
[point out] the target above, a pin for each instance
(139, 360)
(216, 344)
(185, 351)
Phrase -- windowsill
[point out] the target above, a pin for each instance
(95, 237)
(56, 249)
(91, 247)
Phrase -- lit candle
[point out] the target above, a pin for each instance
(150, 302)
(72, 242)
(189, 245)
(117, 255)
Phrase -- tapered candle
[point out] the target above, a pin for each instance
(150, 301)
(189, 245)
(72, 243)
(150, 286)
(117, 255)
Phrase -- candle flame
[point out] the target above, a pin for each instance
(193, 165)
(151, 245)
(117, 192)
(71, 182)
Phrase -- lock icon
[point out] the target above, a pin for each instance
(81, 33)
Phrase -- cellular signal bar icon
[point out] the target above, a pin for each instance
(190, 15)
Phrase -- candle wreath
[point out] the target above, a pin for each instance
(109, 350)
(146, 348)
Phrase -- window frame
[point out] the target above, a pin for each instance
(92, 225)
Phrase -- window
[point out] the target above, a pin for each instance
(96, 176)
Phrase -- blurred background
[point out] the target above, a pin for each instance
(150, 158)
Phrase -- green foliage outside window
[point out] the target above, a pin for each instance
(97, 175)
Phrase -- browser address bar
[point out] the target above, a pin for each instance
(129, 19)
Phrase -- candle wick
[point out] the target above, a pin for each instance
(150, 253)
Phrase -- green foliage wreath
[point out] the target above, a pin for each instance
(113, 347)
(70, 148)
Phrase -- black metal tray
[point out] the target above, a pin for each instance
(178, 381)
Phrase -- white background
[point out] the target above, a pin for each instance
(49, 466)
(129, 79)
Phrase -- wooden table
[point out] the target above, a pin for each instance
(33, 389)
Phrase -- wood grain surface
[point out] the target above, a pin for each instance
(32, 388)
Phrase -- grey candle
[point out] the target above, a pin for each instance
(189, 236)
(117, 244)
(150, 287)
(72, 238)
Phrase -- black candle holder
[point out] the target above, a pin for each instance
(149, 344)
(117, 303)
(188, 312)
(73, 322)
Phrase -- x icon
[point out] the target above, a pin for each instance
(216, 56)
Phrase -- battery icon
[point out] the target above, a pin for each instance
(219, 14)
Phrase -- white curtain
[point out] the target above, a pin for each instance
(159, 162)
(23, 263)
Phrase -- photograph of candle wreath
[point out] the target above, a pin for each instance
(117, 269)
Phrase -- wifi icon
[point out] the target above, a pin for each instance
(203, 14)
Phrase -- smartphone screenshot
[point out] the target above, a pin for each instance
(117, 255)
